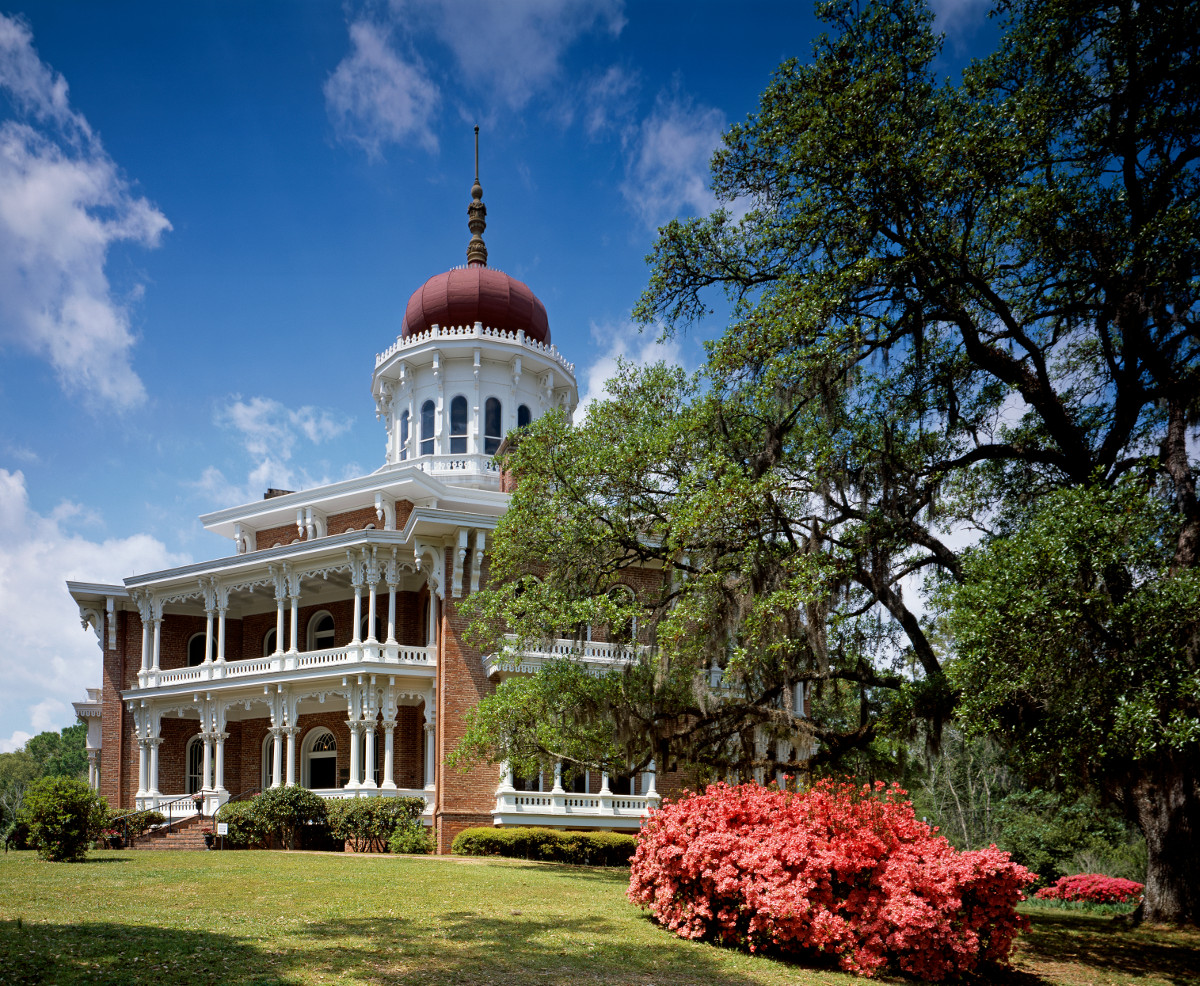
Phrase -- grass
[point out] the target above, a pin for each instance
(267, 919)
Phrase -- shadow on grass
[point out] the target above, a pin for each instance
(1101, 943)
(462, 948)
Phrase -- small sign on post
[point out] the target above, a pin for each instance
(222, 828)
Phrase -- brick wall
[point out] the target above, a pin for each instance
(464, 799)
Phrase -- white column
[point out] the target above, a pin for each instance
(651, 777)
(154, 741)
(508, 775)
(208, 636)
(604, 789)
(430, 754)
(295, 628)
(291, 731)
(391, 637)
(277, 756)
(146, 644)
(219, 781)
(278, 624)
(558, 788)
(93, 779)
(154, 657)
(206, 776)
(389, 749)
(143, 768)
(221, 635)
(433, 633)
(357, 639)
(371, 611)
(369, 755)
(355, 772)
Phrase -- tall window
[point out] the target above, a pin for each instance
(491, 426)
(195, 764)
(623, 631)
(523, 416)
(458, 425)
(404, 435)
(427, 428)
(269, 642)
(320, 632)
(196, 650)
(322, 760)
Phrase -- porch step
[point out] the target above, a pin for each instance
(187, 834)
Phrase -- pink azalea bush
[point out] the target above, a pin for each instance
(838, 870)
(1095, 888)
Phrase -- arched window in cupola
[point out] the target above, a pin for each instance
(491, 426)
(523, 416)
(427, 428)
(458, 426)
(404, 436)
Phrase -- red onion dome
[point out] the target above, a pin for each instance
(467, 295)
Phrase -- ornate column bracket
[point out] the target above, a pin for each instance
(477, 565)
(460, 561)
(391, 575)
(385, 510)
(293, 587)
(372, 573)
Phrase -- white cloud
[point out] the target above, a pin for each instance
(667, 170)
(17, 740)
(512, 50)
(63, 203)
(48, 660)
(624, 342)
(384, 93)
(269, 433)
(376, 97)
(608, 101)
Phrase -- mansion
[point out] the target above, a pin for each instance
(326, 647)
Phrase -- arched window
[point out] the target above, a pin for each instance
(320, 631)
(458, 425)
(268, 760)
(269, 642)
(491, 426)
(427, 428)
(320, 760)
(196, 650)
(404, 436)
(195, 765)
(523, 416)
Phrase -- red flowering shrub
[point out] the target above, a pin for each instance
(1094, 888)
(837, 870)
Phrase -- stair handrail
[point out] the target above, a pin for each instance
(237, 797)
(124, 819)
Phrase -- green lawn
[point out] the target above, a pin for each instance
(163, 918)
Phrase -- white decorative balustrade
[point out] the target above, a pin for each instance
(476, 331)
(602, 810)
(442, 465)
(597, 656)
(370, 655)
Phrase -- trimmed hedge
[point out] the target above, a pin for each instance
(367, 824)
(551, 845)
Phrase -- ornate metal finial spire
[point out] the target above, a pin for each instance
(476, 218)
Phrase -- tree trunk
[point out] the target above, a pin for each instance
(1165, 802)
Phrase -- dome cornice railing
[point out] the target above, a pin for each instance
(476, 331)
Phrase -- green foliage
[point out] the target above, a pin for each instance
(281, 813)
(550, 845)
(367, 824)
(955, 305)
(1073, 633)
(246, 824)
(411, 838)
(45, 755)
(64, 817)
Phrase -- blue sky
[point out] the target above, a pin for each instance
(213, 214)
